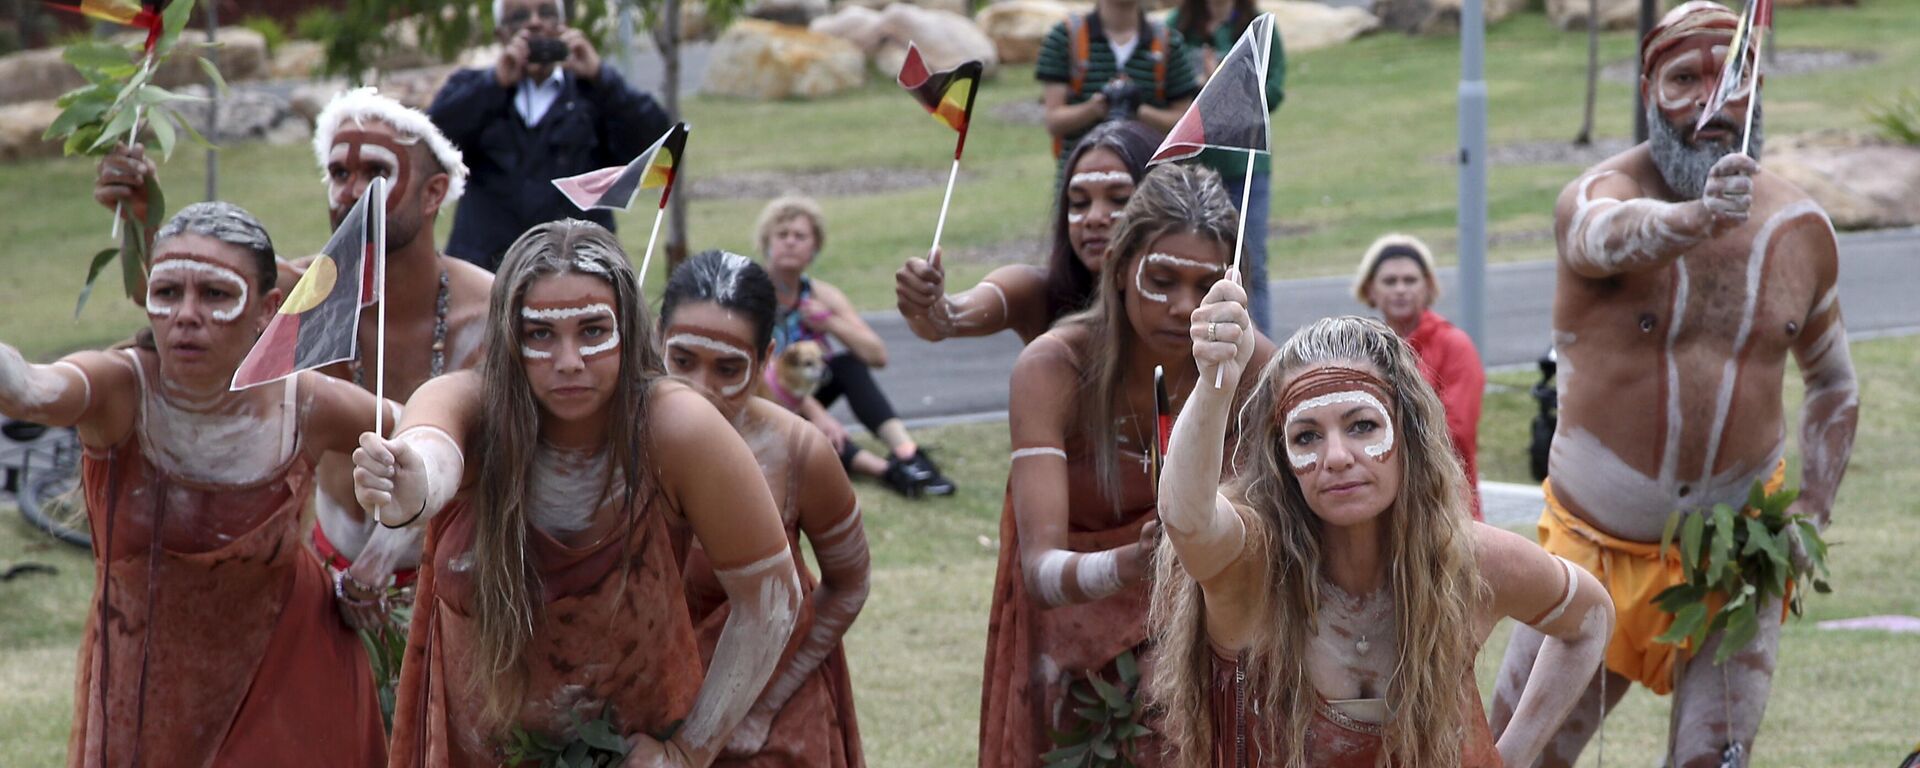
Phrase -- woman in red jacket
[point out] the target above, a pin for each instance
(1397, 278)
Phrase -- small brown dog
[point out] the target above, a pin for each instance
(796, 374)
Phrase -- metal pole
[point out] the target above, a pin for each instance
(213, 103)
(1473, 172)
(1647, 10)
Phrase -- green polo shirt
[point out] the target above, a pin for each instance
(1100, 68)
(1233, 163)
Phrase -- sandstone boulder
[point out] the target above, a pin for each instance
(1306, 26)
(36, 75)
(20, 128)
(856, 24)
(762, 60)
(297, 60)
(944, 38)
(1018, 27)
(962, 7)
(797, 13)
(1571, 15)
(1863, 182)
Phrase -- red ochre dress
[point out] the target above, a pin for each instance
(217, 642)
(613, 629)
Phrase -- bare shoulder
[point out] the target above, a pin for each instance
(106, 371)
(466, 283)
(1054, 353)
(679, 415)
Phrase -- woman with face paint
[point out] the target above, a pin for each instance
(1397, 278)
(213, 632)
(1079, 530)
(718, 320)
(812, 313)
(554, 483)
(1101, 174)
(1324, 607)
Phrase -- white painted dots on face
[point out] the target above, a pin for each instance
(1164, 259)
(536, 349)
(221, 290)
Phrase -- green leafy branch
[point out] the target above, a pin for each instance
(591, 744)
(386, 647)
(119, 99)
(1746, 559)
(1109, 718)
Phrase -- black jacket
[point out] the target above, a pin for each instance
(592, 125)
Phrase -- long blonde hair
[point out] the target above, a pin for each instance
(505, 582)
(1171, 200)
(1431, 573)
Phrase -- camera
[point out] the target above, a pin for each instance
(1123, 99)
(546, 50)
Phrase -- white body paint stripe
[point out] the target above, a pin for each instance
(1025, 453)
(1670, 455)
(1573, 587)
(1049, 569)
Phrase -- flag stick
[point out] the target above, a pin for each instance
(1239, 244)
(133, 134)
(651, 237)
(941, 226)
(380, 287)
(1753, 100)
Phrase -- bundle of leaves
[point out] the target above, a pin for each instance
(1109, 720)
(595, 743)
(386, 646)
(118, 100)
(1745, 558)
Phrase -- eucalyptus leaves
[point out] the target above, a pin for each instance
(1748, 559)
(1110, 719)
(593, 744)
(117, 101)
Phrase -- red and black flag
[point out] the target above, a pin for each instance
(947, 95)
(614, 188)
(319, 321)
(1162, 425)
(1231, 111)
(141, 14)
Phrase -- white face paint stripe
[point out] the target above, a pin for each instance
(1099, 177)
(1075, 218)
(566, 313)
(716, 345)
(214, 271)
(1025, 453)
(1139, 284)
(1140, 271)
(612, 342)
(1355, 396)
(1667, 102)
(534, 354)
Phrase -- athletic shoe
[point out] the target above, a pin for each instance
(928, 475)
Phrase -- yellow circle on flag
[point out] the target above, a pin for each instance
(313, 286)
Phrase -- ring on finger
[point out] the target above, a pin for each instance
(1213, 328)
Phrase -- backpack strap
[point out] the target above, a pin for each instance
(1159, 49)
(1079, 50)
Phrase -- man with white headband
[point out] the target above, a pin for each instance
(436, 311)
(1687, 276)
(212, 638)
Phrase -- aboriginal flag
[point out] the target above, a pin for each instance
(1231, 111)
(319, 320)
(132, 13)
(1162, 425)
(614, 188)
(947, 95)
(1740, 77)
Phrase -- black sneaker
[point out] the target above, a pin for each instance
(928, 475)
(901, 477)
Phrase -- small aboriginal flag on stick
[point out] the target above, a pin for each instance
(1740, 76)
(613, 189)
(948, 96)
(1162, 425)
(319, 321)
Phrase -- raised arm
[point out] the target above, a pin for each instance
(1831, 408)
(89, 391)
(830, 517)
(407, 479)
(708, 474)
(1606, 226)
(1044, 385)
(1012, 296)
(1563, 602)
(1206, 532)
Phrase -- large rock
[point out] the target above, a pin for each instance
(247, 114)
(1572, 15)
(36, 75)
(1305, 26)
(1018, 27)
(1863, 182)
(1437, 17)
(856, 24)
(944, 38)
(239, 52)
(20, 128)
(763, 60)
(798, 13)
(962, 7)
(297, 60)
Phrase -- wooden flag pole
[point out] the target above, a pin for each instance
(934, 255)
(1239, 244)
(379, 194)
(1753, 100)
(647, 260)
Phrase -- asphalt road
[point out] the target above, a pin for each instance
(966, 379)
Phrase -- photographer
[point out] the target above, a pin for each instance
(547, 109)
(1113, 64)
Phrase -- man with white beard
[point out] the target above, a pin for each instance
(1686, 276)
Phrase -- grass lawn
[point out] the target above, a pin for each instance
(1839, 698)
(1364, 145)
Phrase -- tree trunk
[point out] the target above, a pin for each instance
(669, 39)
(1593, 73)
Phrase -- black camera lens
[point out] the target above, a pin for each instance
(546, 50)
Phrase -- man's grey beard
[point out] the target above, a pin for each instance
(1684, 166)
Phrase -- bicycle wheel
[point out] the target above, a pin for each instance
(50, 496)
